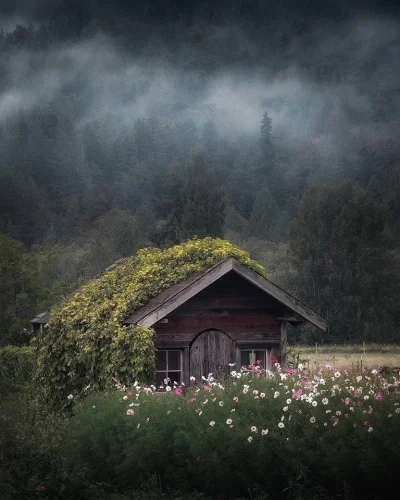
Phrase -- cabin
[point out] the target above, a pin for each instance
(226, 314)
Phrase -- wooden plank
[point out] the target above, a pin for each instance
(211, 352)
(184, 295)
(283, 343)
(185, 366)
(280, 295)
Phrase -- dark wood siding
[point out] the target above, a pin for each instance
(231, 305)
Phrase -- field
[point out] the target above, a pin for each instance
(348, 356)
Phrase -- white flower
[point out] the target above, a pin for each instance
(264, 432)
(288, 401)
(200, 412)
(232, 364)
(282, 418)
(262, 394)
(212, 423)
(337, 374)
(192, 379)
(233, 409)
(70, 396)
(300, 367)
(397, 410)
(281, 425)
(221, 403)
(255, 393)
(322, 381)
(125, 398)
(374, 372)
(285, 408)
(351, 408)
(366, 397)
(166, 380)
(233, 373)
(359, 378)
(370, 429)
(390, 415)
(338, 412)
(314, 403)
(229, 421)
(253, 428)
(249, 439)
(283, 376)
(245, 391)
(325, 401)
(276, 394)
(138, 425)
(328, 411)
(94, 406)
(130, 412)
(312, 419)
(168, 388)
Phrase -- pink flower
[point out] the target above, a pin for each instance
(179, 391)
(291, 371)
(207, 388)
(335, 421)
(297, 394)
(378, 396)
(347, 401)
(312, 420)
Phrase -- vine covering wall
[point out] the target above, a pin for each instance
(85, 347)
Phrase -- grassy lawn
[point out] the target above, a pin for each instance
(347, 356)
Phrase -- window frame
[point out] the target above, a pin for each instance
(166, 371)
(267, 364)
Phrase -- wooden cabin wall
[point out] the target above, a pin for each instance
(232, 305)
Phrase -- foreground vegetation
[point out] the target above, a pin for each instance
(327, 434)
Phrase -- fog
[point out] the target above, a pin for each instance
(360, 58)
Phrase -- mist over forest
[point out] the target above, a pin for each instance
(273, 125)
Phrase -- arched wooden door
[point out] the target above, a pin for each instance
(211, 352)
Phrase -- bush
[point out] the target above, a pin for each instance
(293, 436)
(16, 368)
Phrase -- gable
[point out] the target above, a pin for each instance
(169, 300)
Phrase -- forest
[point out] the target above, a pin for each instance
(128, 126)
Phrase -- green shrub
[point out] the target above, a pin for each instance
(16, 367)
(85, 347)
(172, 438)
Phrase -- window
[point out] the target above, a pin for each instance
(168, 365)
(255, 356)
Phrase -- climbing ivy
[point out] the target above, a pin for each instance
(85, 347)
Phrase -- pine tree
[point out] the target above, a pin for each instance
(268, 156)
(346, 268)
(196, 206)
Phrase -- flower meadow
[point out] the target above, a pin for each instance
(289, 434)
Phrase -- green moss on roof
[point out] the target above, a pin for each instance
(85, 343)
